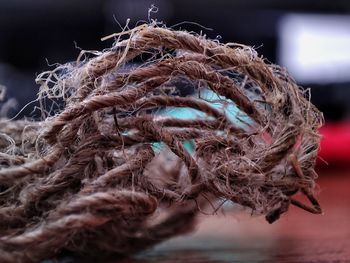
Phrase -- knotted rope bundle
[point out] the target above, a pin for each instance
(111, 174)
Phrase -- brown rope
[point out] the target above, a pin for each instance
(90, 180)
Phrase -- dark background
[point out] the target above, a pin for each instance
(36, 34)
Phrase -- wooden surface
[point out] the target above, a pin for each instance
(297, 237)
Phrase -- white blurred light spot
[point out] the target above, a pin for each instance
(315, 48)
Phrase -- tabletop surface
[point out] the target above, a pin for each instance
(297, 237)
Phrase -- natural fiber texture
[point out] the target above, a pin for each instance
(91, 179)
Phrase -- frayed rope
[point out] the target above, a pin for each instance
(115, 172)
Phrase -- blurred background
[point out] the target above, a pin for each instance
(310, 37)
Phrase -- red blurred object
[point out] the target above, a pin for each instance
(335, 143)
